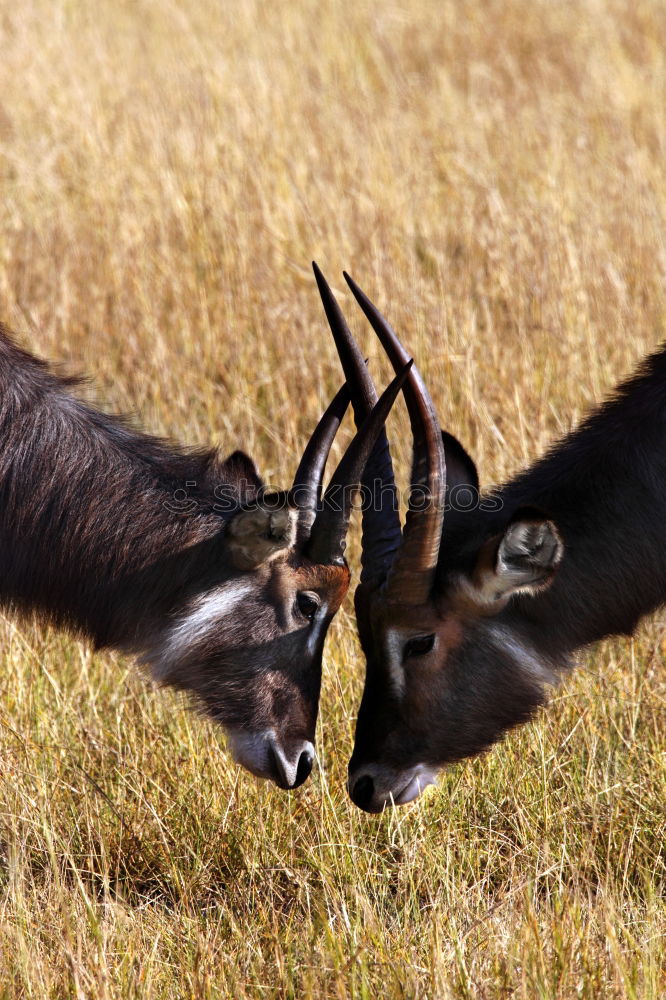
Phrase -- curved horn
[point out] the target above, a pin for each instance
(413, 570)
(306, 490)
(327, 539)
(381, 520)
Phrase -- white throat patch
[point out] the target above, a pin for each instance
(205, 610)
(531, 663)
(394, 647)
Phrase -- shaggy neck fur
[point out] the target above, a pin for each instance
(89, 537)
(604, 486)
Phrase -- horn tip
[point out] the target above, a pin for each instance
(357, 291)
(322, 283)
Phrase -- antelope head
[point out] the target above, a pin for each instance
(248, 643)
(447, 669)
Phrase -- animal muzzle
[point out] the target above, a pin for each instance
(286, 762)
(373, 787)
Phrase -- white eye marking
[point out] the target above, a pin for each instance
(205, 610)
(394, 649)
(316, 629)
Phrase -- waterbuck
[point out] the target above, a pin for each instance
(179, 557)
(468, 618)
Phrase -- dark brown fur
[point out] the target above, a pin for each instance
(90, 535)
(94, 537)
(594, 515)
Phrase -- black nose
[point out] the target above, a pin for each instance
(362, 791)
(304, 767)
(282, 770)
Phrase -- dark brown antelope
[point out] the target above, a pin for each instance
(178, 557)
(468, 618)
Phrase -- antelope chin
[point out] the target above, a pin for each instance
(250, 750)
(373, 787)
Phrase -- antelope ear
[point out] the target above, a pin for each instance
(460, 468)
(260, 535)
(239, 468)
(523, 561)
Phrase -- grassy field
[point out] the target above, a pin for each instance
(493, 173)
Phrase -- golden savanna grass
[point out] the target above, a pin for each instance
(493, 173)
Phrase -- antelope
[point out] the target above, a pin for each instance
(180, 558)
(474, 611)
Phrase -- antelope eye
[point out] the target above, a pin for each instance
(418, 646)
(307, 604)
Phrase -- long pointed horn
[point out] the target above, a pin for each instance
(413, 569)
(381, 520)
(327, 539)
(308, 481)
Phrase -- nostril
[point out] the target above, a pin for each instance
(305, 762)
(292, 771)
(362, 791)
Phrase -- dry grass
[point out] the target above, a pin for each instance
(494, 174)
